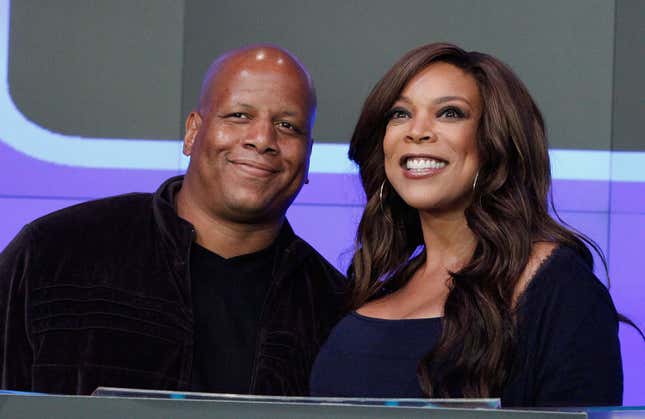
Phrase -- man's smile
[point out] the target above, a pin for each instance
(253, 166)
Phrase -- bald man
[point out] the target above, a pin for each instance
(200, 286)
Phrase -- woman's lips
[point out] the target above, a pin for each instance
(419, 166)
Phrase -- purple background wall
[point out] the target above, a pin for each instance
(327, 210)
(575, 56)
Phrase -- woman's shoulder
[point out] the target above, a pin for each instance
(567, 336)
(564, 283)
(553, 265)
(565, 269)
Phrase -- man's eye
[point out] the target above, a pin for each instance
(284, 124)
(451, 112)
(289, 126)
(239, 115)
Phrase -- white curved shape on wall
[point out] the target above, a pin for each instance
(40, 143)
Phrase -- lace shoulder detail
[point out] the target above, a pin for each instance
(541, 255)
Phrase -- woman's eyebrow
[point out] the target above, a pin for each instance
(437, 101)
(445, 99)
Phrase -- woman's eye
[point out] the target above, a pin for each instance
(451, 113)
(397, 114)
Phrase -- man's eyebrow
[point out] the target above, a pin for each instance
(287, 112)
(245, 106)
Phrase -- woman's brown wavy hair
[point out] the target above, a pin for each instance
(509, 212)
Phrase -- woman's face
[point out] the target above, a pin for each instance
(430, 142)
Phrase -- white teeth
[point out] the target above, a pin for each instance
(422, 164)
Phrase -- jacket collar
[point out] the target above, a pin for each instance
(178, 233)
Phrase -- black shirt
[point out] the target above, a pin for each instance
(228, 296)
(568, 346)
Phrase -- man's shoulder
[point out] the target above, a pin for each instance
(79, 233)
(316, 264)
(97, 221)
(326, 289)
(102, 211)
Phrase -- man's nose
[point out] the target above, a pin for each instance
(262, 136)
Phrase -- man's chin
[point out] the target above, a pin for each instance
(254, 213)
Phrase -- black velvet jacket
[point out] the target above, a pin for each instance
(98, 294)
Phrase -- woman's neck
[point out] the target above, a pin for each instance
(449, 242)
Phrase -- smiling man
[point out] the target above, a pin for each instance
(249, 144)
(200, 286)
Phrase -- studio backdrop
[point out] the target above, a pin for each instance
(94, 95)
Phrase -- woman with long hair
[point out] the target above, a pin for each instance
(463, 284)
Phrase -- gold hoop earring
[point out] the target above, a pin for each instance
(380, 203)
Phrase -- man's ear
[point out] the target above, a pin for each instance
(309, 149)
(193, 123)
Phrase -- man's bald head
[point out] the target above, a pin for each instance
(256, 57)
(250, 140)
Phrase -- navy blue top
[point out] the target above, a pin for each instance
(567, 346)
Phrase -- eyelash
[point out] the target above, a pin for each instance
(399, 113)
(238, 115)
(289, 126)
(458, 113)
(284, 124)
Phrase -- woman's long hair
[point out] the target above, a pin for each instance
(509, 212)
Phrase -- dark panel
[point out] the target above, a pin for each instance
(114, 69)
(98, 68)
(629, 76)
(562, 50)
